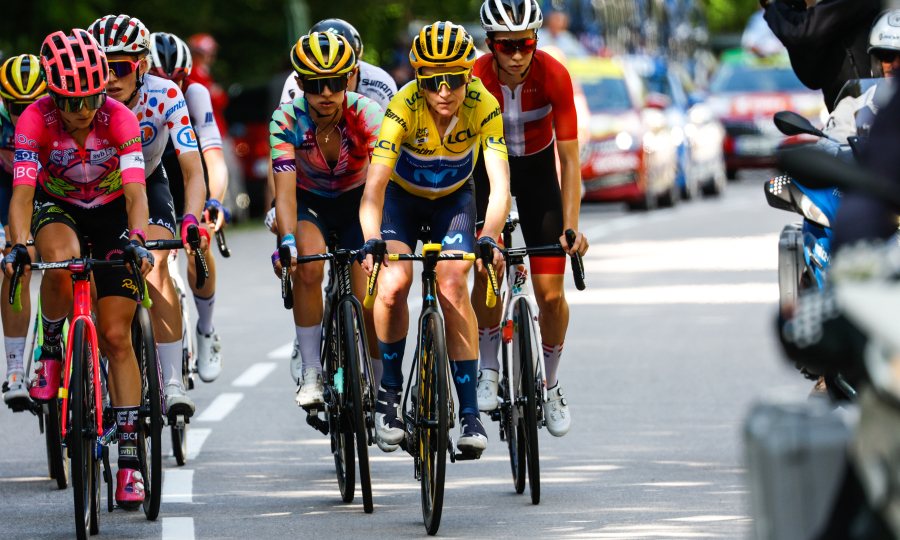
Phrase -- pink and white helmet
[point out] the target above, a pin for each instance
(121, 34)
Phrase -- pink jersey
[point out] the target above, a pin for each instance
(86, 177)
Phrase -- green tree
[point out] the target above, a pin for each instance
(729, 15)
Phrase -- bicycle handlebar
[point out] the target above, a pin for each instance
(213, 217)
(577, 262)
(378, 252)
(553, 250)
(200, 263)
(487, 259)
(287, 293)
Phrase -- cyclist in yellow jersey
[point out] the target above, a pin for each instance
(421, 174)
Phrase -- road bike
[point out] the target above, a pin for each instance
(349, 401)
(428, 411)
(522, 389)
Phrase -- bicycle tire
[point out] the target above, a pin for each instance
(433, 415)
(81, 446)
(528, 385)
(150, 432)
(352, 333)
(509, 422)
(56, 459)
(338, 424)
(179, 444)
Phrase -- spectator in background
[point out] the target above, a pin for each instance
(555, 33)
(826, 41)
(203, 53)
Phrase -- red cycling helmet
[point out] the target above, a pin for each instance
(74, 65)
(203, 43)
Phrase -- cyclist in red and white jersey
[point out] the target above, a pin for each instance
(370, 81)
(536, 96)
(321, 146)
(21, 84)
(171, 59)
(162, 114)
(84, 151)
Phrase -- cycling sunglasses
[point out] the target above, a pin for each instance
(453, 80)
(176, 76)
(510, 46)
(75, 104)
(16, 108)
(121, 68)
(885, 55)
(319, 84)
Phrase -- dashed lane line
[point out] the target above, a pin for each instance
(220, 407)
(254, 374)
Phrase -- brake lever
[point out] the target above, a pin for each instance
(221, 243)
(287, 294)
(378, 251)
(193, 234)
(486, 254)
(577, 262)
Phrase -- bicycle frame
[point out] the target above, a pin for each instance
(81, 272)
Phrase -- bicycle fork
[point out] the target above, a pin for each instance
(82, 309)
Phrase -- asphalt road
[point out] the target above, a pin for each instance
(667, 348)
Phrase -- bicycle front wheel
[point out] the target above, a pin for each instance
(433, 418)
(82, 434)
(527, 394)
(354, 384)
(150, 432)
(56, 458)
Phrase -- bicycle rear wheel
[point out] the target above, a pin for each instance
(180, 433)
(354, 384)
(150, 432)
(433, 418)
(339, 428)
(82, 435)
(528, 390)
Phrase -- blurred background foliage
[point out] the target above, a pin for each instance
(255, 35)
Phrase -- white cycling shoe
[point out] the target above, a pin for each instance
(209, 356)
(311, 391)
(487, 389)
(15, 389)
(178, 402)
(389, 430)
(556, 412)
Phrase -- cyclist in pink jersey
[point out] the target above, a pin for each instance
(321, 146)
(162, 115)
(536, 96)
(21, 84)
(84, 151)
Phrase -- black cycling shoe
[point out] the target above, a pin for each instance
(472, 438)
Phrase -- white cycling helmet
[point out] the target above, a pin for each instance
(169, 54)
(511, 15)
(121, 34)
(885, 32)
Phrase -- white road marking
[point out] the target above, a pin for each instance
(736, 293)
(195, 440)
(220, 407)
(731, 254)
(255, 374)
(178, 528)
(281, 352)
(178, 485)
(706, 519)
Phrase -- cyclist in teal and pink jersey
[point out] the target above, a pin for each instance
(85, 152)
(162, 114)
(21, 85)
(535, 93)
(321, 146)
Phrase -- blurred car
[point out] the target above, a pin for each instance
(697, 134)
(630, 156)
(745, 94)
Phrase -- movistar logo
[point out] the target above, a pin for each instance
(422, 176)
(464, 379)
(455, 239)
(392, 356)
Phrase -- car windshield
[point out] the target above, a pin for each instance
(738, 78)
(606, 95)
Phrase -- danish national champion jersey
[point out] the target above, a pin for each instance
(162, 113)
(294, 147)
(88, 176)
(203, 118)
(426, 164)
(543, 103)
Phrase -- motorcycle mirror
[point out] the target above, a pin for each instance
(820, 170)
(791, 123)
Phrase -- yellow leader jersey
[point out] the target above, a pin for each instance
(425, 164)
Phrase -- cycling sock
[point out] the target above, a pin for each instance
(52, 333)
(170, 358)
(392, 364)
(15, 353)
(377, 370)
(489, 347)
(465, 377)
(205, 313)
(551, 362)
(310, 338)
(127, 426)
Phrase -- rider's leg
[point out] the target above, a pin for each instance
(553, 318)
(15, 329)
(488, 322)
(360, 282)
(308, 312)
(209, 346)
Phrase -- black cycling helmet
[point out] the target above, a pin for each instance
(342, 27)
